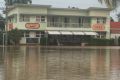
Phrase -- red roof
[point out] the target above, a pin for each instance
(115, 25)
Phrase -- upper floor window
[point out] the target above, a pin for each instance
(66, 20)
(101, 20)
(12, 19)
(24, 18)
(40, 18)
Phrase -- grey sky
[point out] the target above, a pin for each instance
(66, 3)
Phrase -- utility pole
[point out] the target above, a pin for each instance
(6, 24)
(2, 8)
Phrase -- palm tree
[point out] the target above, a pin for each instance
(11, 2)
(110, 3)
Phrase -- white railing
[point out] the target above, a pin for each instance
(68, 25)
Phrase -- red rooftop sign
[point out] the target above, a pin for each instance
(32, 25)
(98, 27)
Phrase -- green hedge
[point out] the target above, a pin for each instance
(1, 38)
(44, 41)
(101, 42)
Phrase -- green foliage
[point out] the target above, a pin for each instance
(11, 2)
(101, 42)
(14, 36)
(1, 38)
(119, 41)
(110, 3)
(44, 41)
(2, 23)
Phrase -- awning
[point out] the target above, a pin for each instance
(54, 32)
(66, 33)
(91, 33)
(78, 33)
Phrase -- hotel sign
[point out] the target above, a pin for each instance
(98, 27)
(32, 25)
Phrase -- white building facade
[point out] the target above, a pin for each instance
(37, 21)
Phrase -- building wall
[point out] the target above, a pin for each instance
(100, 13)
(12, 12)
(21, 26)
(67, 12)
(74, 14)
(32, 10)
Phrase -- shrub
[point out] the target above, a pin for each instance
(101, 42)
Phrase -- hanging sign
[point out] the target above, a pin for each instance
(32, 25)
(98, 27)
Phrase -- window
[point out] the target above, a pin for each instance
(40, 18)
(22, 34)
(15, 19)
(37, 34)
(10, 20)
(24, 18)
(101, 20)
(104, 20)
(80, 21)
(66, 20)
(27, 34)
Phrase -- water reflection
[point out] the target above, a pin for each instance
(38, 63)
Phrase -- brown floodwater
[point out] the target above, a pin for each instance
(46, 63)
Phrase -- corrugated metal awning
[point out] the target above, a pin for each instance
(66, 33)
(54, 32)
(91, 33)
(78, 33)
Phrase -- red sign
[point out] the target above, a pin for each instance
(98, 27)
(32, 25)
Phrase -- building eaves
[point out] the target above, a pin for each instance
(70, 9)
(31, 5)
(98, 8)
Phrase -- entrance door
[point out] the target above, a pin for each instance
(32, 40)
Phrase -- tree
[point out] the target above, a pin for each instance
(2, 23)
(118, 17)
(11, 2)
(14, 36)
(110, 3)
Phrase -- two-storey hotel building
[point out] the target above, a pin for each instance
(60, 25)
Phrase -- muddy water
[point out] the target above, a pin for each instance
(38, 63)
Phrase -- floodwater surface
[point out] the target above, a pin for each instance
(44, 63)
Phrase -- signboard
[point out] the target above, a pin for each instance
(98, 27)
(32, 25)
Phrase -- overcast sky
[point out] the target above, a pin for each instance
(66, 3)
